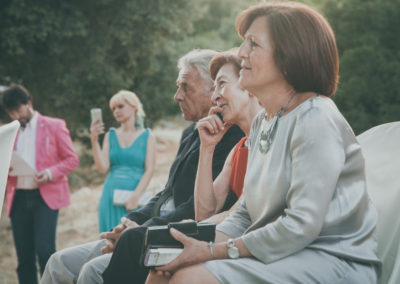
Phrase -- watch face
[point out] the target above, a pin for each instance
(233, 252)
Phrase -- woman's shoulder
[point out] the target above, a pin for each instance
(148, 133)
(144, 132)
(319, 115)
(318, 108)
(321, 103)
(111, 133)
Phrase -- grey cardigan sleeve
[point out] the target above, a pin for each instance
(237, 222)
(317, 158)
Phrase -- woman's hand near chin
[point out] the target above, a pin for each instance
(211, 128)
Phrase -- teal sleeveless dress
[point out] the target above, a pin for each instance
(126, 169)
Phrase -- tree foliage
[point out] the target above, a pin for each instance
(367, 33)
(73, 55)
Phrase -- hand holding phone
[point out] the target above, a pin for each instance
(96, 116)
(97, 126)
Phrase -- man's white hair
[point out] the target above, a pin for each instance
(199, 59)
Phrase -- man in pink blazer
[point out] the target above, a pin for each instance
(33, 200)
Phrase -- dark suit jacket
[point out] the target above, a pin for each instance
(182, 177)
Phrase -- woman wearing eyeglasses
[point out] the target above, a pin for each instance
(306, 216)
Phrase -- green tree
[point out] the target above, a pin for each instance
(73, 55)
(367, 33)
(214, 25)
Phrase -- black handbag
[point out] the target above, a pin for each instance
(160, 247)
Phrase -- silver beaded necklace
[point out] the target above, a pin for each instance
(266, 138)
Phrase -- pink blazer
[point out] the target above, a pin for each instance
(54, 151)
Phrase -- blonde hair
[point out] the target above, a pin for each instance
(133, 101)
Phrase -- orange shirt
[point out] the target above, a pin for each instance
(238, 167)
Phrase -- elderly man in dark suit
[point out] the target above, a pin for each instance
(120, 248)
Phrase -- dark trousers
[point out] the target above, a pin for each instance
(34, 230)
(125, 266)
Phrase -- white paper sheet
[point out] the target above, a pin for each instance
(19, 167)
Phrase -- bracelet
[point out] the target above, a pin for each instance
(210, 244)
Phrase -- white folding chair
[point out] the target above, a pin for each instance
(381, 149)
(8, 132)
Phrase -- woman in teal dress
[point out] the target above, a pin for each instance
(128, 154)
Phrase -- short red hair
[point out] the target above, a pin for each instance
(304, 44)
(221, 59)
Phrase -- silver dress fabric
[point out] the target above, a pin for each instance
(308, 193)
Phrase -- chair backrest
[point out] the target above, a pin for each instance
(8, 133)
(381, 149)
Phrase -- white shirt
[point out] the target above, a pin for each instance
(26, 148)
(168, 206)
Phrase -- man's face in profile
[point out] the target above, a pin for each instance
(23, 113)
(192, 95)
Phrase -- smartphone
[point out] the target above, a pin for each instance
(95, 114)
(220, 117)
(161, 256)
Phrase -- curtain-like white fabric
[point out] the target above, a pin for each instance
(381, 148)
(8, 133)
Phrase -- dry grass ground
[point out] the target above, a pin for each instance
(78, 223)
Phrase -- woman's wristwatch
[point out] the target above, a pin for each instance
(233, 251)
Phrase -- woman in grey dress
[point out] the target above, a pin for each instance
(306, 216)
